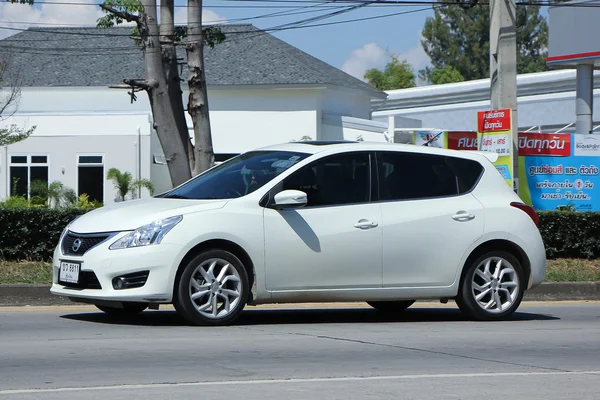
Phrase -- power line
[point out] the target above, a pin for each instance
(231, 20)
(320, 3)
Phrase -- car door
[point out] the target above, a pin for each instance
(333, 242)
(430, 217)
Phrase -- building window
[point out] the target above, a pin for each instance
(90, 177)
(25, 171)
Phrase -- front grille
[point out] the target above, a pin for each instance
(87, 280)
(86, 242)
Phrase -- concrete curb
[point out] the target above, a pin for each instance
(39, 295)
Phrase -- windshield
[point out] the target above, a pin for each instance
(238, 176)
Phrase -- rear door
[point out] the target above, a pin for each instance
(430, 218)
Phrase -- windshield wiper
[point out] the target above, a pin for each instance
(176, 196)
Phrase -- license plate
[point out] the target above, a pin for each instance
(69, 272)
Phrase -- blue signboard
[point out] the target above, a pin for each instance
(560, 170)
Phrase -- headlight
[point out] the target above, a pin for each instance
(146, 235)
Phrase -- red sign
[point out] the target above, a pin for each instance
(493, 121)
(544, 144)
(462, 140)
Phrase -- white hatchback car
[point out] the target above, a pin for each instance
(388, 224)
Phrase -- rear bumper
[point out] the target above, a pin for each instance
(536, 252)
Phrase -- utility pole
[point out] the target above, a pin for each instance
(503, 68)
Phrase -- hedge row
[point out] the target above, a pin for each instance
(570, 234)
(33, 233)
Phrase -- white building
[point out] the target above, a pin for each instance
(546, 103)
(261, 91)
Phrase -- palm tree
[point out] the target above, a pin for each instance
(124, 182)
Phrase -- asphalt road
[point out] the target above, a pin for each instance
(547, 351)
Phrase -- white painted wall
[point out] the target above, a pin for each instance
(346, 102)
(63, 138)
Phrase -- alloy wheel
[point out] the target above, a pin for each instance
(495, 285)
(215, 288)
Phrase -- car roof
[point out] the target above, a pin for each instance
(335, 146)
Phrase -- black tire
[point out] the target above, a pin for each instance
(127, 310)
(186, 307)
(391, 306)
(466, 298)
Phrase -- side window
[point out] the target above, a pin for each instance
(468, 173)
(405, 176)
(340, 179)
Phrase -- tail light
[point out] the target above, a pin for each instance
(528, 209)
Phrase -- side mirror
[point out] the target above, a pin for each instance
(290, 199)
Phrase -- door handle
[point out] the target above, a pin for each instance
(463, 216)
(365, 224)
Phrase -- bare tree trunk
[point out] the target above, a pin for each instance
(169, 57)
(198, 98)
(162, 110)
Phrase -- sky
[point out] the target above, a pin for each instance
(353, 46)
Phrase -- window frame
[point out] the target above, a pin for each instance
(447, 161)
(268, 200)
(87, 165)
(27, 164)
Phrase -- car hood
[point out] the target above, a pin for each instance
(130, 215)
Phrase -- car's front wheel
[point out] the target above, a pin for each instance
(492, 286)
(212, 289)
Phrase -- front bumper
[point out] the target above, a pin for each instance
(99, 266)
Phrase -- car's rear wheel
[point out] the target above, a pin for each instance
(492, 286)
(212, 289)
(391, 306)
(127, 309)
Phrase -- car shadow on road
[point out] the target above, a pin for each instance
(255, 317)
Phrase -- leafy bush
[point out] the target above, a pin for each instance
(32, 233)
(570, 234)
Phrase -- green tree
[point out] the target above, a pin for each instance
(460, 38)
(124, 182)
(396, 75)
(439, 76)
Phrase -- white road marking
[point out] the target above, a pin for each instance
(295, 380)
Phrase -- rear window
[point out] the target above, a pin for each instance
(467, 172)
(406, 175)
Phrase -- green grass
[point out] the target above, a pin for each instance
(573, 270)
(560, 270)
(25, 272)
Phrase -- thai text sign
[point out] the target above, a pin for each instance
(560, 170)
(494, 133)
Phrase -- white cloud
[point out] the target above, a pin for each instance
(368, 56)
(209, 17)
(372, 56)
(23, 16)
(416, 57)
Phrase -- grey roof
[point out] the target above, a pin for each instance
(102, 56)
